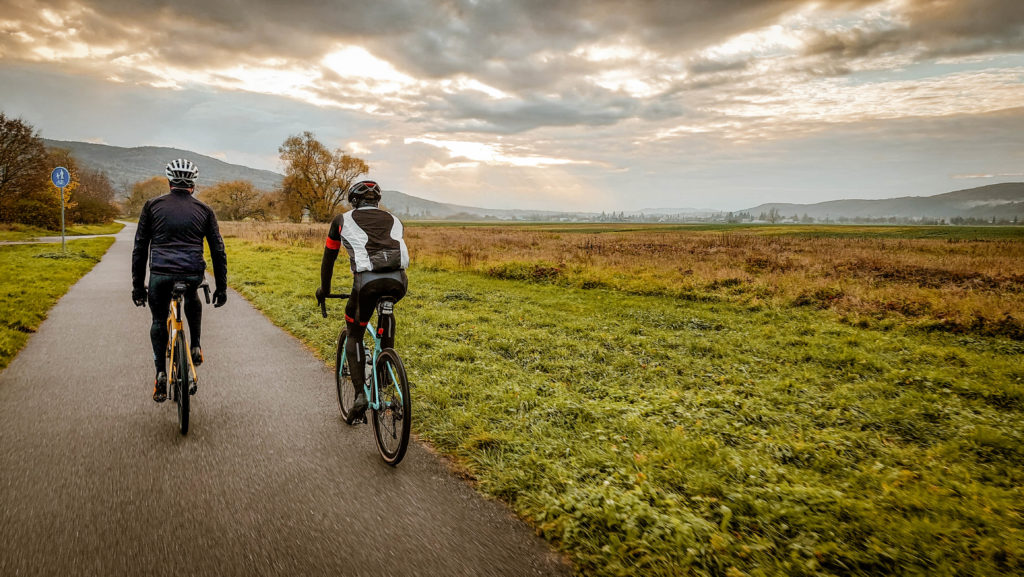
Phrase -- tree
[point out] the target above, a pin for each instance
(26, 194)
(316, 178)
(143, 191)
(234, 200)
(93, 198)
(62, 157)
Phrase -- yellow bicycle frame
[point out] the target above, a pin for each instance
(175, 326)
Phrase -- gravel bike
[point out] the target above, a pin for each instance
(182, 379)
(386, 386)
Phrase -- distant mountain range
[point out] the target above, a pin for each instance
(995, 200)
(129, 165)
(416, 207)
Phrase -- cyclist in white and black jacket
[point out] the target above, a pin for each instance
(378, 258)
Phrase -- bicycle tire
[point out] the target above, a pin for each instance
(343, 379)
(181, 382)
(392, 422)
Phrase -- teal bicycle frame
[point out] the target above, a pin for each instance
(391, 413)
(373, 395)
(374, 398)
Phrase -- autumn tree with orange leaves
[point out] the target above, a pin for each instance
(315, 177)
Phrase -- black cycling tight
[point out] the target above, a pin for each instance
(160, 287)
(358, 312)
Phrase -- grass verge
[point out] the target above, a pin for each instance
(23, 232)
(946, 279)
(652, 436)
(32, 278)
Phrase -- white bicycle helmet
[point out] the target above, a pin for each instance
(182, 173)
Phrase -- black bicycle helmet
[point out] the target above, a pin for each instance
(363, 190)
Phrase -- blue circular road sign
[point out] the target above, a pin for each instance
(60, 177)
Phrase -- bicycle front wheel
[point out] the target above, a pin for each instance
(392, 419)
(180, 383)
(343, 379)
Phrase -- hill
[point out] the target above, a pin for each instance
(415, 207)
(995, 200)
(129, 165)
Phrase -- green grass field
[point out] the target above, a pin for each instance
(32, 278)
(812, 230)
(23, 232)
(649, 436)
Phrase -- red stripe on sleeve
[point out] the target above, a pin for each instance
(333, 244)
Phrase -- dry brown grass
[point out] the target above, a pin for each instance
(974, 286)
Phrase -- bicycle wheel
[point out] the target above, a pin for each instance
(392, 421)
(343, 379)
(180, 383)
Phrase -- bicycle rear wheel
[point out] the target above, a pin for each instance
(343, 379)
(392, 421)
(180, 383)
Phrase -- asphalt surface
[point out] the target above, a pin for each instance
(95, 478)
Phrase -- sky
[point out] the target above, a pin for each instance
(555, 104)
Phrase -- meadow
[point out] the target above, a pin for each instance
(15, 231)
(33, 277)
(711, 400)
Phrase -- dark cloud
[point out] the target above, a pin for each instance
(427, 38)
(507, 44)
(511, 116)
(951, 28)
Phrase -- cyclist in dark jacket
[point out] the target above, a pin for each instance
(378, 258)
(170, 236)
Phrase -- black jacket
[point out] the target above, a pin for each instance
(170, 235)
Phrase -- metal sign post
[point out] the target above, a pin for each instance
(61, 178)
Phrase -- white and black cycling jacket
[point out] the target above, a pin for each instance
(373, 239)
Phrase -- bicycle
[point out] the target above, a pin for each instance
(386, 385)
(182, 379)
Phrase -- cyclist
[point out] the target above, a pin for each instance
(378, 258)
(170, 236)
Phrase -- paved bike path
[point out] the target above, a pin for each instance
(96, 480)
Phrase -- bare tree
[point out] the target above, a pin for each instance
(93, 198)
(316, 178)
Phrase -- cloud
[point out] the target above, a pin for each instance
(999, 175)
(668, 90)
(930, 29)
(492, 67)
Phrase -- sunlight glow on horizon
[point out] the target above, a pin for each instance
(488, 153)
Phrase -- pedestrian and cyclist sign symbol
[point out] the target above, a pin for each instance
(60, 177)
